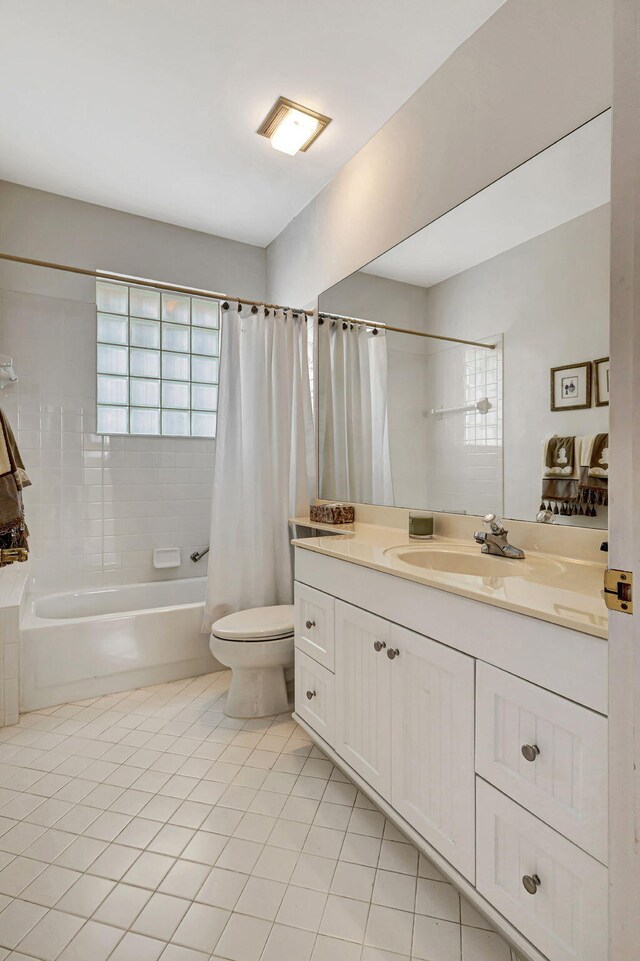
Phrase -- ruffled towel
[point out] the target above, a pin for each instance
(561, 474)
(14, 545)
(594, 474)
(575, 475)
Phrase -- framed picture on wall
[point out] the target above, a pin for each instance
(601, 377)
(571, 386)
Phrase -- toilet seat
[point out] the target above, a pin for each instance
(256, 624)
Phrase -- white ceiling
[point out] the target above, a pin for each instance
(151, 106)
(561, 183)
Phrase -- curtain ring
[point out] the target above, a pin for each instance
(266, 311)
(320, 321)
(239, 307)
(254, 309)
(374, 331)
(344, 325)
(225, 306)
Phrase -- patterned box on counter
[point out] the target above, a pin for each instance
(332, 513)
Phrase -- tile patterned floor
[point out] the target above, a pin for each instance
(147, 825)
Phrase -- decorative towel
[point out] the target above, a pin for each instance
(560, 482)
(594, 474)
(14, 545)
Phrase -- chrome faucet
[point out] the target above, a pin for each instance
(494, 539)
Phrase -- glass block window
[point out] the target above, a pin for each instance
(158, 359)
(483, 378)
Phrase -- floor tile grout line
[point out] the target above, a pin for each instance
(161, 711)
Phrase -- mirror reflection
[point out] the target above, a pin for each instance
(466, 369)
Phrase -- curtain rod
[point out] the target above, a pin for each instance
(160, 285)
(402, 330)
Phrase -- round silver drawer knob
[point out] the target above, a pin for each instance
(393, 652)
(310, 694)
(530, 751)
(310, 624)
(379, 645)
(531, 883)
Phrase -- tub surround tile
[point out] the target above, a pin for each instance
(98, 505)
(110, 500)
(14, 581)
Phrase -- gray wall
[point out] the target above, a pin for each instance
(46, 226)
(377, 298)
(528, 76)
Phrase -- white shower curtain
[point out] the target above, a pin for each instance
(265, 459)
(354, 422)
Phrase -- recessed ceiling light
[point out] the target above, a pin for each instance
(291, 127)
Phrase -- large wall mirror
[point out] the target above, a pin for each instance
(507, 409)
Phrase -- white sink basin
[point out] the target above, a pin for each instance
(470, 561)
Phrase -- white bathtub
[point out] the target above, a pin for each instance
(80, 644)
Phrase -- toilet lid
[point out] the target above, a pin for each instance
(257, 623)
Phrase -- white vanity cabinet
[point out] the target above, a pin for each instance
(486, 751)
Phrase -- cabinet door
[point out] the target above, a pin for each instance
(362, 714)
(432, 722)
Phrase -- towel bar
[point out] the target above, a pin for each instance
(483, 406)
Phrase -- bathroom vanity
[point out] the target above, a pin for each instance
(469, 702)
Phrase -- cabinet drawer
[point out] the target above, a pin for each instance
(566, 916)
(314, 624)
(565, 784)
(314, 695)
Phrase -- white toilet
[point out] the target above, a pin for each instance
(258, 646)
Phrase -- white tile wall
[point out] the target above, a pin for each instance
(98, 505)
(9, 666)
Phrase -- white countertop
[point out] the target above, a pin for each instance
(564, 591)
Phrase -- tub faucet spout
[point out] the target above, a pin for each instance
(195, 557)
